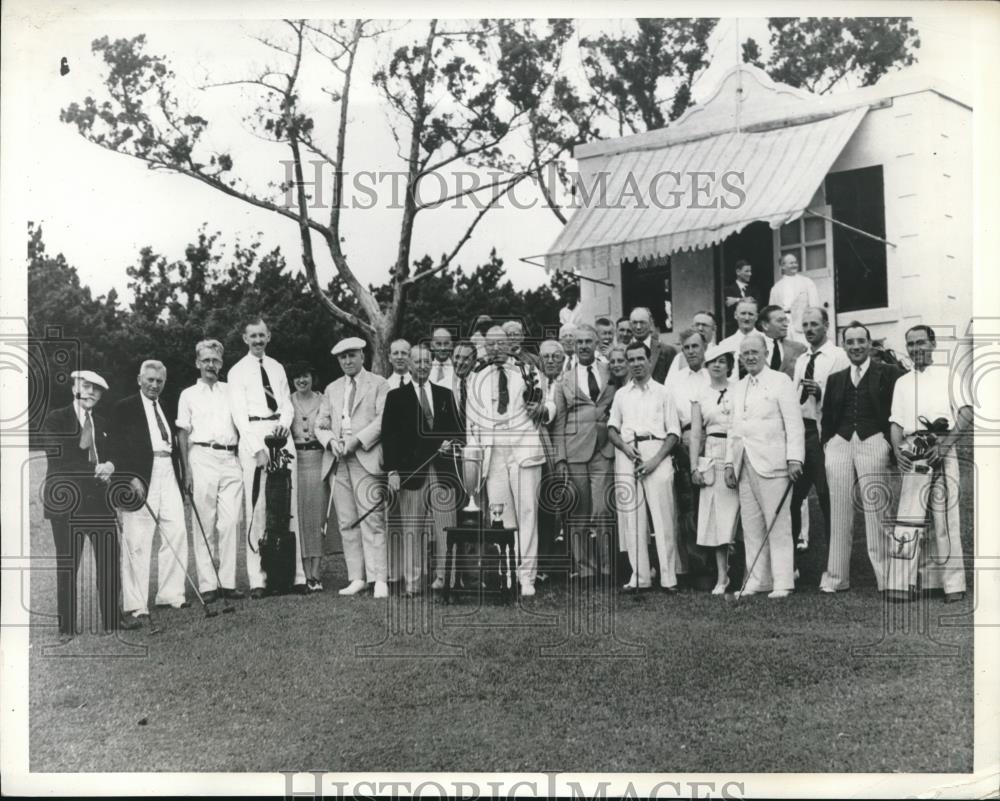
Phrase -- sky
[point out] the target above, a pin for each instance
(99, 208)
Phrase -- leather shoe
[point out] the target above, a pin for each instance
(670, 590)
(233, 595)
(128, 624)
(953, 597)
(256, 593)
(181, 605)
(300, 589)
(210, 597)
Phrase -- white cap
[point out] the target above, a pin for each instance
(715, 352)
(90, 376)
(351, 343)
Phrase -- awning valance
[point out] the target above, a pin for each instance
(651, 203)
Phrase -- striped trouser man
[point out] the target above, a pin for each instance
(864, 463)
(943, 566)
(425, 512)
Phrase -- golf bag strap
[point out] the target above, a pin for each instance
(254, 495)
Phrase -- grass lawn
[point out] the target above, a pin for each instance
(659, 684)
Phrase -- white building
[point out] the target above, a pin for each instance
(871, 189)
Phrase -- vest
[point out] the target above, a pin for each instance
(859, 411)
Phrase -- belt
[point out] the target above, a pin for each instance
(647, 437)
(214, 447)
(254, 419)
(161, 455)
(721, 434)
(308, 446)
(685, 428)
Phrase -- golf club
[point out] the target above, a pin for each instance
(385, 498)
(209, 612)
(738, 596)
(153, 628)
(227, 608)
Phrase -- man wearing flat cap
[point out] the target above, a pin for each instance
(349, 427)
(79, 469)
(261, 405)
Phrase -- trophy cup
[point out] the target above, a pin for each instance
(472, 476)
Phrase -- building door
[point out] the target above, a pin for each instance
(647, 283)
(753, 244)
(810, 238)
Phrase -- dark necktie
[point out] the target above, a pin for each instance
(425, 407)
(159, 422)
(87, 439)
(462, 397)
(721, 394)
(775, 356)
(592, 387)
(503, 400)
(810, 371)
(272, 404)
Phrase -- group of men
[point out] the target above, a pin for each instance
(805, 416)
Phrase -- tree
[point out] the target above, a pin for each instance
(457, 94)
(819, 53)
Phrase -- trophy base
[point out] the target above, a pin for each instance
(469, 518)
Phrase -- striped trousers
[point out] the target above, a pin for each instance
(943, 566)
(424, 513)
(864, 464)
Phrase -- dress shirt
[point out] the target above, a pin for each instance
(685, 388)
(743, 288)
(680, 364)
(830, 359)
(397, 380)
(246, 398)
(582, 380)
(160, 445)
(770, 350)
(925, 393)
(766, 424)
(855, 375)
(569, 362)
(81, 413)
(449, 372)
(204, 412)
(794, 293)
(645, 410)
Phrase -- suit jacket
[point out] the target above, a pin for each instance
(661, 356)
(515, 428)
(767, 427)
(580, 428)
(406, 442)
(69, 475)
(366, 419)
(730, 290)
(790, 351)
(132, 448)
(881, 379)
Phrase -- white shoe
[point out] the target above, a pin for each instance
(438, 584)
(795, 576)
(780, 594)
(633, 584)
(828, 590)
(381, 589)
(354, 588)
(527, 590)
(743, 593)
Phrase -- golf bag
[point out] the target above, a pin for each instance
(277, 546)
(910, 524)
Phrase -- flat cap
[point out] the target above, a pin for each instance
(350, 343)
(90, 376)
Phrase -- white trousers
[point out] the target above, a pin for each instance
(633, 497)
(259, 515)
(218, 495)
(515, 485)
(355, 491)
(863, 464)
(138, 528)
(759, 499)
(943, 566)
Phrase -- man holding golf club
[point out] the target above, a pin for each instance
(764, 454)
(208, 447)
(144, 449)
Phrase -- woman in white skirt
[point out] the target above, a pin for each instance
(719, 506)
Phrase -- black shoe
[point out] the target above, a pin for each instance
(300, 589)
(256, 593)
(182, 605)
(953, 597)
(233, 595)
(128, 624)
(210, 597)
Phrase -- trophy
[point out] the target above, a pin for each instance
(472, 476)
(496, 515)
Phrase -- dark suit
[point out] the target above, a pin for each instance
(661, 356)
(428, 495)
(881, 379)
(732, 290)
(76, 504)
(131, 449)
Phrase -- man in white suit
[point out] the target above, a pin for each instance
(764, 454)
(500, 419)
(794, 293)
(583, 454)
(349, 427)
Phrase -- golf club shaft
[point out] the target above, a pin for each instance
(170, 545)
(204, 537)
(402, 481)
(767, 534)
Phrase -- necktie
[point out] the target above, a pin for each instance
(721, 394)
(462, 397)
(272, 404)
(159, 422)
(857, 375)
(425, 407)
(440, 375)
(775, 356)
(810, 371)
(592, 387)
(402, 379)
(503, 400)
(87, 439)
(349, 407)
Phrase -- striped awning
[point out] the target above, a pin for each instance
(641, 204)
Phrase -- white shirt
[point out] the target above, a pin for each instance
(442, 373)
(81, 413)
(829, 359)
(642, 411)
(568, 316)
(160, 445)
(858, 371)
(924, 393)
(350, 398)
(684, 389)
(771, 344)
(397, 380)
(204, 412)
(424, 395)
(680, 363)
(569, 362)
(583, 382)
(246, 399)
(794, 293)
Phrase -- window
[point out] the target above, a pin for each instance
(857, 198)
(807, 239)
